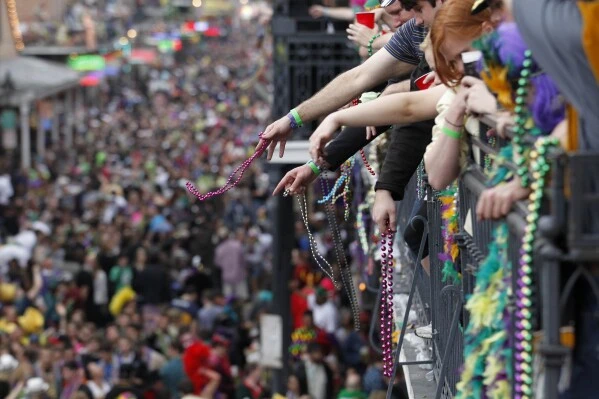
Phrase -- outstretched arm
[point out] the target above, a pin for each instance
(401, 108)
(344, 88)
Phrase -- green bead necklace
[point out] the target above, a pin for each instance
(522, 117)
(524, 291)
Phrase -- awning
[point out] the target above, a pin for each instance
(34, 78)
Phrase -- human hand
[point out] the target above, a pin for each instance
(322, 135)
(277, 132)
(503, 122)
(317, 11)
(496, 202)
(370, 132)
(480, 101)
(296, 180)
(361, 34)
(384, 211)
(432, 76)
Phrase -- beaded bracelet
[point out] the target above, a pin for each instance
(315, 168)
(454, 134)
(372, 39)
(296, 117)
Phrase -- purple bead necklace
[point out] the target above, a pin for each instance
(233, 179)
(386, 308)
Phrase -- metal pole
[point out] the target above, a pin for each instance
(56, 109)
(41, 135)
(283, 240)
(70, 119)
(25, 136)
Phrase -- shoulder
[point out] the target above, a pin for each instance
(404, 42)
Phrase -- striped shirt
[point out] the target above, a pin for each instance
(405, 43)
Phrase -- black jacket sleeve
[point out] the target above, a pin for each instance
(346, 144)
(404, 154)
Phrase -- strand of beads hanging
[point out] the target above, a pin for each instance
(386, 307)
(523, 329)
(355, 102)
(320, 260)
(347, 195)
(420, 181)
(366, 164)
(234, 178)
(522, 118)
(344, 268)
(330, 195)
(361, 227)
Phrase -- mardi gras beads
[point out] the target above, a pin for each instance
(344, 268)
(522, 117)
(386, 307)
(523, 328)
(233, 179)
(318, 257)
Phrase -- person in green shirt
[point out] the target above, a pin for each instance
(121, 274)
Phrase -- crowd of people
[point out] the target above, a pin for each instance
(117, 283)
(83, 23)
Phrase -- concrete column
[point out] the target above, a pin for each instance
(70, 119)
(24, 111)
(56, 110)
(41, 136)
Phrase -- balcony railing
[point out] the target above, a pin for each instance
(567, 238)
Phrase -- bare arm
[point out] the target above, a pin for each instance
(402, 108)
(442, 157)
(341, 13)
(399, 87)
(349, 85)
(399, 108)
(344, 88)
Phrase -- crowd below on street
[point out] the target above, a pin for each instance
(116, 283)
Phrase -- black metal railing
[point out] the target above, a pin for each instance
(568, 237)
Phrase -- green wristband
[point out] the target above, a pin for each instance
(315, 168)
(297, 117)
(454, 134)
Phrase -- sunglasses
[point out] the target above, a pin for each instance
(385, 3)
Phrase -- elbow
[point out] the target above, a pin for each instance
(440, 179)
(437, 182)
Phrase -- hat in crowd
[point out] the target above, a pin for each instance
(8, 292)
(36, 385)
(8, 363)
(32, 321)
(328, 285)
(41, 227)
(120, 300)
(371, 5)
